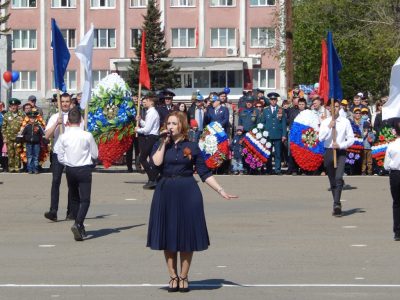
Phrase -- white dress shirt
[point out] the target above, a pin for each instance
(76, 148)
(54, 119)
(344, 136)
(392, 157)
(152, 123)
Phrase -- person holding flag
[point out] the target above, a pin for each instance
(335, 131)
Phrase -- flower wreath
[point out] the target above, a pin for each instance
(257, 149)
(305, 146)
(214, 145)
(353, 153)
(111, 118)
(384, 138)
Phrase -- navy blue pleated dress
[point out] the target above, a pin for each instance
(177, 221)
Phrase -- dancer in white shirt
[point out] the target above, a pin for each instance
(392, 164)
(76, 149)
(344, 139)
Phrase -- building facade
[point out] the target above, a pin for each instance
(216, 43)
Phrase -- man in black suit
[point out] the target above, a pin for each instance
(165, 96)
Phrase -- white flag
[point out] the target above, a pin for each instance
(84, 52)
(391, 109)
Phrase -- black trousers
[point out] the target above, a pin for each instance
(129, 153)
(146, 143)
(395, 191)
(335, 175)
(56, 170)
(79, 181)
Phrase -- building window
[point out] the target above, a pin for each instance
(69, 37)
(185, 80)
(104, 38)
(23, 3)
(98, 75)
(24, 39)
(102, 3)
(183, 38)
(223, 37)
(222, 3)
(264, 78)
(26, 82)
(201, 79)
(217, 79)
(136, 34)
(182, 3)
(138, 3)
(262, 37)
(63, 3)
(262, 2)
(69, 80)
(234, 79)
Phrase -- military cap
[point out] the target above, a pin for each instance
(166, 94)
(32, 98)
(14, 101)
(260, 91)
(273, 95)
(249, 99)
(356, 109)
(32, 114)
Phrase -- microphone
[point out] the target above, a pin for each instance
(166, 134)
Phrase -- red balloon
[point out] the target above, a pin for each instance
(7, 75)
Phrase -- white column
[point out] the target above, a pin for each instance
(242, 26)
(44, 51)
(82, 31)
(201, 28)
(282, 47)
(122, 18)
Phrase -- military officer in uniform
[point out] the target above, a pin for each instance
(275, 123)
(11, 126)
(164, 110)
(250, 116)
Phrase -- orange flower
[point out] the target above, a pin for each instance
(187, 153)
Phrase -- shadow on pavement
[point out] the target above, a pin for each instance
(346, 187)
(93, 234)
(352, 211)
(208, 284)
(136, 182)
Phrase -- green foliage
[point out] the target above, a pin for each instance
(365, 35)
(162, 73)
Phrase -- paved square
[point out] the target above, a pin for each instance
(278, 241)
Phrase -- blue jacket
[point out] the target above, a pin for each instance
(275, 126)
(222, 117)
(237, 147)
(249, 118)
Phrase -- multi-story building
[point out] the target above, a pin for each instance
(216, 43)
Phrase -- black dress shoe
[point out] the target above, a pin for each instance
(130, 170)
(337, 211)
(69, 217)
(51, 215)
(397, 236)
(77, 232)
(150, 185)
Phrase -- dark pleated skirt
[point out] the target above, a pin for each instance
(177, 221)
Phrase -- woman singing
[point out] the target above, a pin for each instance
(177, 222)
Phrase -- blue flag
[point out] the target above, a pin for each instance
(334, 66)
(61, 56)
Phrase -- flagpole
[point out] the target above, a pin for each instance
(60, 111)
(334, 133)
(86, 116)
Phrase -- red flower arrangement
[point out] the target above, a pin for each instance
(306, 159)
(216, 160)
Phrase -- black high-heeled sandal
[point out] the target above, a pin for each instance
(184, 289)
(171, 288)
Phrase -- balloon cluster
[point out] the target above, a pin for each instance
(10, 77)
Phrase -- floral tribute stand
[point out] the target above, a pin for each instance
(111, 118)
(214, 145)
(384, 138)
(305, 147)
(353, 153)
(256, 147)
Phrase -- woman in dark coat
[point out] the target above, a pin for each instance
(177, 222)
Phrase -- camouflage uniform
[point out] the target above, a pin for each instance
(10, 129)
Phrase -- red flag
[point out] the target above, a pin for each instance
(144, 77)
(323, 89)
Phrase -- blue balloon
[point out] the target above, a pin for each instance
(227, 90)
(15, 76)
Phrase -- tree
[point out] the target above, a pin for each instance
(4, 19)
(162, 73)
(365, 34)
